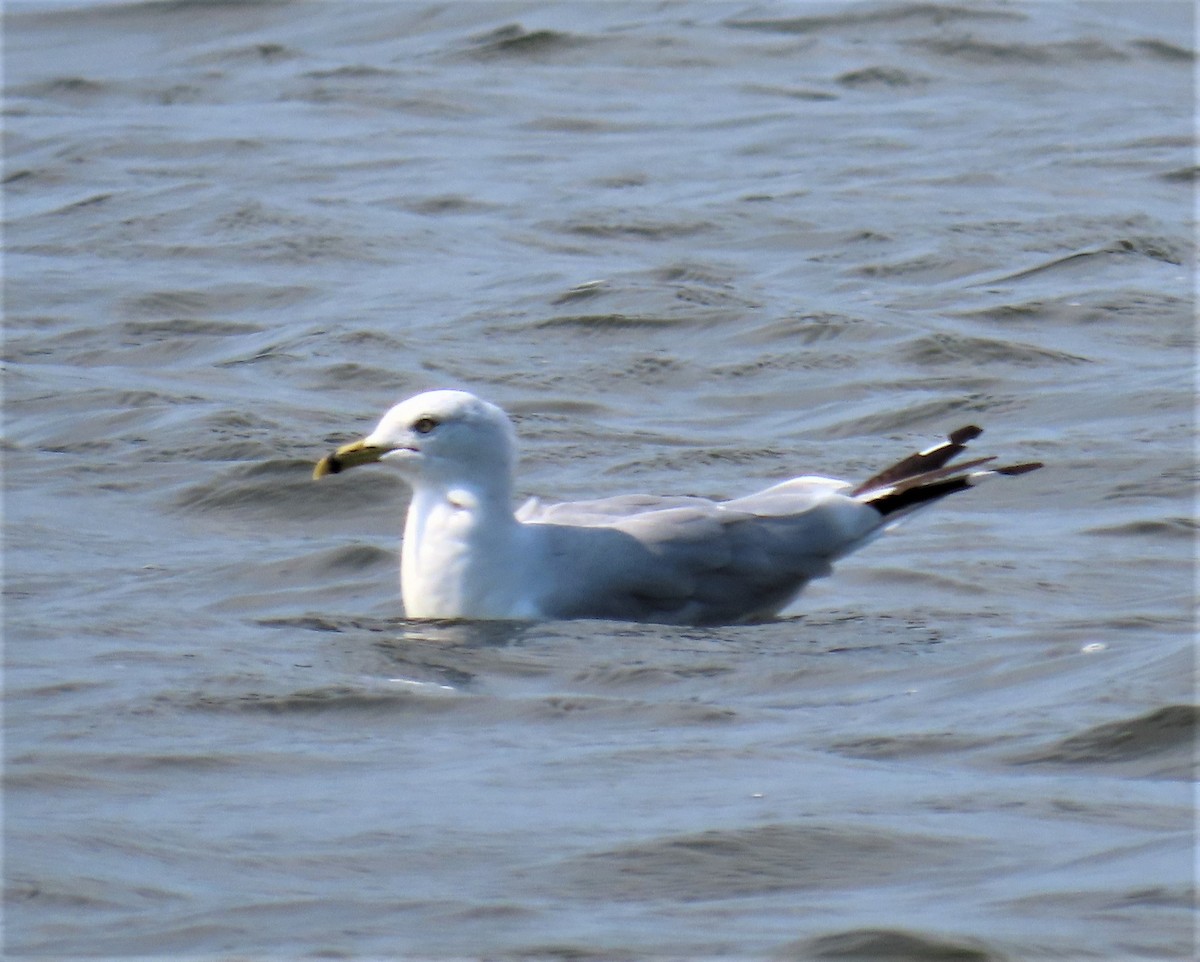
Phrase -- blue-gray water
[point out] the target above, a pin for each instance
(694, 248)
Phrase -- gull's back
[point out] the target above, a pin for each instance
(689, 560)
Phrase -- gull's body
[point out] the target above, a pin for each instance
(680, 560)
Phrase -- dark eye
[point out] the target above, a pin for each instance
(424, 425)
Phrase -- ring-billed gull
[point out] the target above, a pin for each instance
(678, 560)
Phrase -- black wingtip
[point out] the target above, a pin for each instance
(1014, 469)
(930, 459)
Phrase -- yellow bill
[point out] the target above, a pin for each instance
(347, 456)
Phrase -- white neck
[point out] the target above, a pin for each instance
(461, 554)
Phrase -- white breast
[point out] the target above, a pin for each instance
(459, 561)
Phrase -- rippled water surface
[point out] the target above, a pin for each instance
(694, 248)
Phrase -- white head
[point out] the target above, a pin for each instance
(440, 438)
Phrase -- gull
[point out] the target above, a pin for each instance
(645, 558)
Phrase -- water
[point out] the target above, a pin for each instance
(694, 248)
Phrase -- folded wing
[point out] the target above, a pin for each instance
(690, 560)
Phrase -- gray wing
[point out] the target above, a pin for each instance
(602, 510)
(694, 561)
